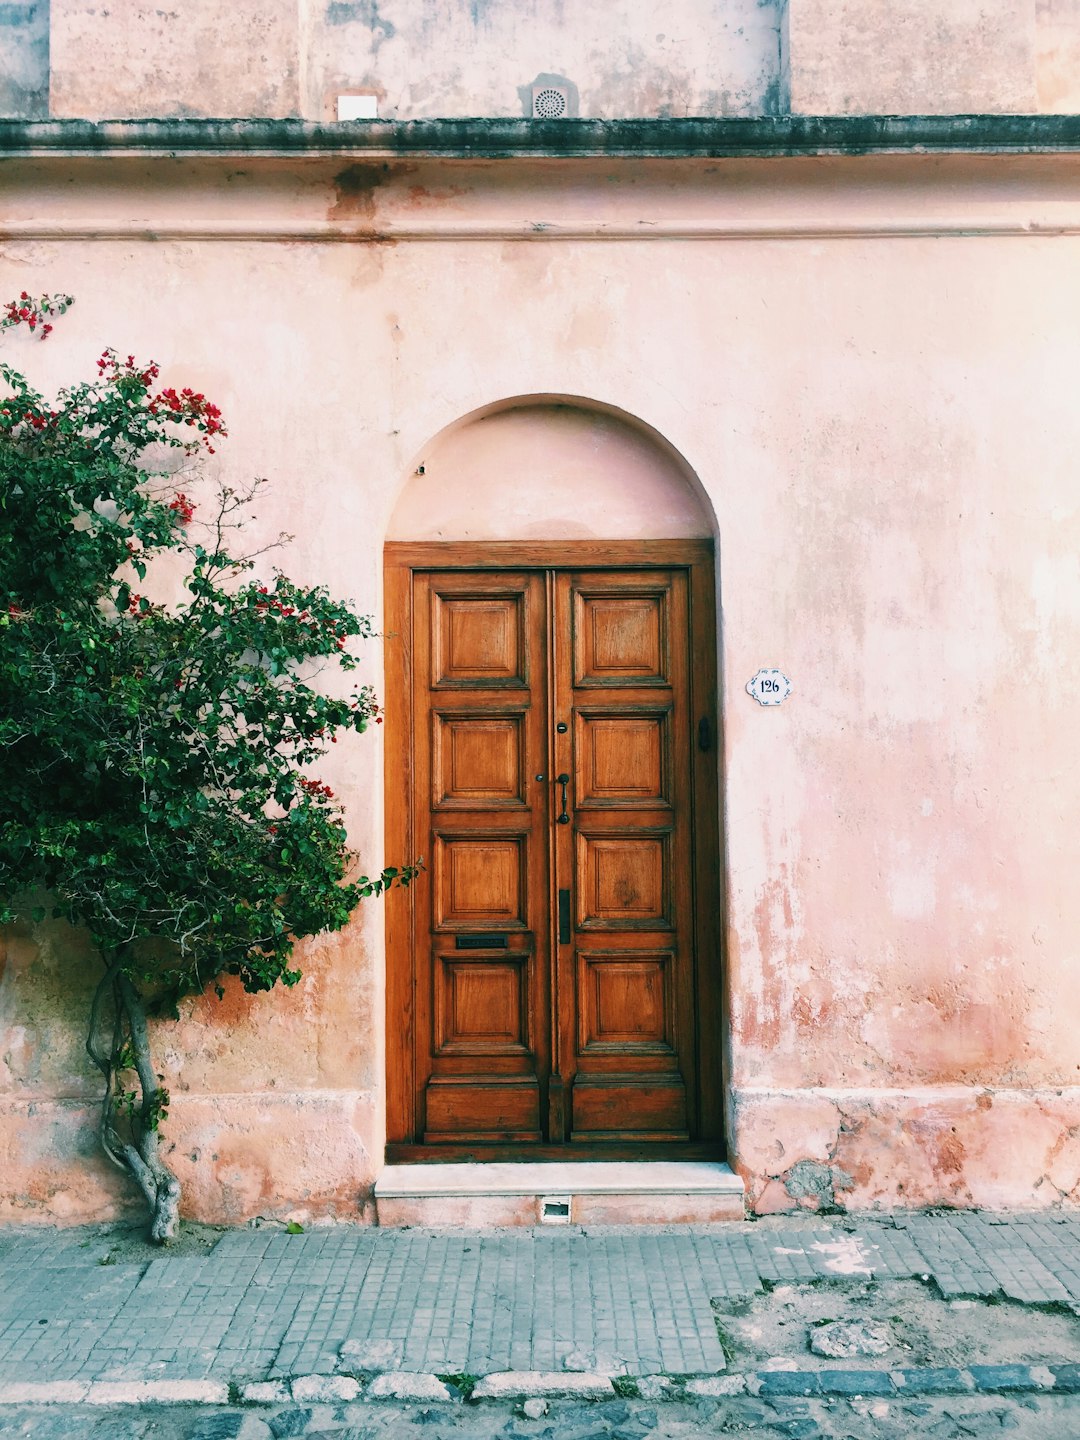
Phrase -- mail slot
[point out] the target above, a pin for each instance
(480, 942)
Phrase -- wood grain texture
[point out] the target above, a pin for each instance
(543, 554)
(400, 844)
(626, 632)
(481, 1047)
(518, 669)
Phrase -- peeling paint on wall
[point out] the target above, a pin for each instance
(24, 59)
(911, 1148)
(718, 58)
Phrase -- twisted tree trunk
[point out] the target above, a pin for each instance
(129, 1127)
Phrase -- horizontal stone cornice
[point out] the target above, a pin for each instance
(559, 139)
(59, 191)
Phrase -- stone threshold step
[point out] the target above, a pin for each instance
(661, 1192)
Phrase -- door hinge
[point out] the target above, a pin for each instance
(704, 733)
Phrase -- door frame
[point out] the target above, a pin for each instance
(696, 557)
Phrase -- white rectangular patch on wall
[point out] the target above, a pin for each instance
(357, 107)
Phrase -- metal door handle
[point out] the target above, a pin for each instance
(564, 917)
(563, 780)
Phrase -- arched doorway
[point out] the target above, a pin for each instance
(553, 979)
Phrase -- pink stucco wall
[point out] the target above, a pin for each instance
(868, 367)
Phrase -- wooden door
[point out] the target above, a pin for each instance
(482, 959)
(551, 985)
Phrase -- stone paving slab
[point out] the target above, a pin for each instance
(780, 1418)
(407, 1385)
(265, 1306)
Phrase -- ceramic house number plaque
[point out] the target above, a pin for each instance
(769, 687)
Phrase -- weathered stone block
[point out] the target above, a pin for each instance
(404, 1385)
(840, 1339)
(911, 57)
(932, 1380)
(788, 1382)
(856, 1382)
(134, 59)
(1001, 1379)
(24, 59)
(325, 1389)
(518, 1384)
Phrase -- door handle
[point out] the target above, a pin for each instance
(563, 780)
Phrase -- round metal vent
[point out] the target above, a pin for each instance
(549, 103)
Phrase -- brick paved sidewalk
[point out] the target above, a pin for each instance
(264, 1305)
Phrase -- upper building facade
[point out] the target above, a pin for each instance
(417, 59)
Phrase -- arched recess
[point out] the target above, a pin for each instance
(543, 467)
(554, 978)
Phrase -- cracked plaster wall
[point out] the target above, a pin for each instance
(873, 1149)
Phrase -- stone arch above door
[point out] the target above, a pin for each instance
(544, 467)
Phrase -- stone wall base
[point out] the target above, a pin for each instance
(884, 1149)
(306, 1155)
(299, 1156)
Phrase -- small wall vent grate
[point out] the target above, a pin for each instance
(550, 102)
(555, 1210)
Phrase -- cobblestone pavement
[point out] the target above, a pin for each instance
(359, 1333)
(263, 1304)
(1042, 1418)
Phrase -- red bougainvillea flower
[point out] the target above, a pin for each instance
(182, 507)
(31, 312)
(316, 789)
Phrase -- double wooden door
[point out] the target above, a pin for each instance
(552, 971)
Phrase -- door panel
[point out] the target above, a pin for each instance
(626, 980)
(481, 1109)
(478, 758)
(618, 638)
(480, 640)
(623, 880)
(480, 880)
(625, 1002)
(622, 757)
(481, 1003)
(556, 980)
(482, 1048)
